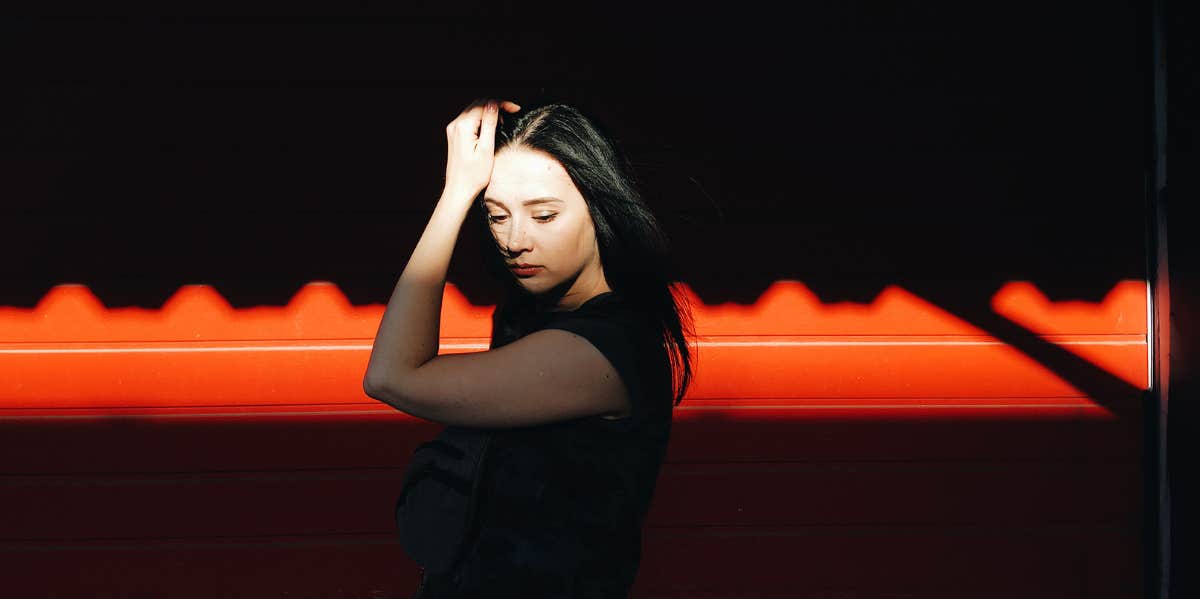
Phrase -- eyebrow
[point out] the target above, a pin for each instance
(545, 200)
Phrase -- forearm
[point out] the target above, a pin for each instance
(409, 332)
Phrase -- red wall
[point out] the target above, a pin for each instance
(914, 236)
(200, 450)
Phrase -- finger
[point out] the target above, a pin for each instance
(487, 129)
(510, 106)
(473, 106)
(468, 122)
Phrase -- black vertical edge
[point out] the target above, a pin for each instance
(1157, 538)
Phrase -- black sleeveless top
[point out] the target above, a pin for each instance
(563, 503)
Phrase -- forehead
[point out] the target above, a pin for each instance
(519, 174)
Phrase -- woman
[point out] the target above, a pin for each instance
(588, 353)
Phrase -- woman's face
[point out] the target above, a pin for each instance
(538, 217)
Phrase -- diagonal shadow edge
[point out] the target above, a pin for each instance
(974, 307)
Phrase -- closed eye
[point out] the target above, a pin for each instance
(497, 218)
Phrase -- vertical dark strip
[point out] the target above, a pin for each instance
(1158, 501)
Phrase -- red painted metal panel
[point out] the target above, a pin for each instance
(335, 501)
(199, 443)
(196, 351)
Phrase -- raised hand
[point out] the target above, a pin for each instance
(470, 141)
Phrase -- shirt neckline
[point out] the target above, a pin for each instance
(590, 301)
(593, 299)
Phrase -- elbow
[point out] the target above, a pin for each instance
(369, 387)
(384, 391)
(377, 388)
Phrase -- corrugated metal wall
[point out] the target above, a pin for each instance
(915, 247)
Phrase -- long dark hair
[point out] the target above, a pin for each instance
(634, 251)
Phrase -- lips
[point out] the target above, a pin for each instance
(524, 270)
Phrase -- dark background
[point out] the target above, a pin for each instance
(849, 146)
(944, 147)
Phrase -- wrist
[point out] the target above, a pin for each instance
(458, 194)
(454, 202)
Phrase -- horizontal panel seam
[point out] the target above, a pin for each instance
(365, 347)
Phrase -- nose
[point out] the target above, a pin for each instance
(517, 241)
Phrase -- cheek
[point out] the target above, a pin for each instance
(586, 237)
(559, 246)
(578, 240)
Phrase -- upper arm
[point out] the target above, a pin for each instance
(546, 376)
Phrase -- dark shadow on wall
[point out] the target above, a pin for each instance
(235, 506)
(922, 148)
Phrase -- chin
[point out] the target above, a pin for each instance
(534, 287)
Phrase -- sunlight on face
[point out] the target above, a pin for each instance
(538, 217)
